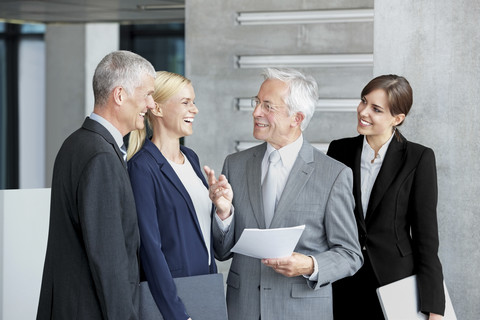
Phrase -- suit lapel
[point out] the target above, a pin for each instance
(170, 174)
(390, 167)
(357, 188)
(254, 184)
(298, 177)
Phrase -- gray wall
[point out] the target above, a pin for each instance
(436, 46)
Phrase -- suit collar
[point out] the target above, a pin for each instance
(357, 154)
(98, 128)
(254, 183)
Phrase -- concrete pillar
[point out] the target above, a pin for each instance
(72, 53)
(436, 45)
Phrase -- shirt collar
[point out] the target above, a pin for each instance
(110, 127)
(383, 149)
(288, 153)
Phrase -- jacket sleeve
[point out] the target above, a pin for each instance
(223, 241)
(153, 260)
(423, 207)
(99, 195)
(344, 257)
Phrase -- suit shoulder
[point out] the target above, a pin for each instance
(142, 158)
(85, 143)
(324, 160)
(417, 147)
(345, 142)
(247, 153)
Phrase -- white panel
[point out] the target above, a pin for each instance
(306, 60)
(24, 218)
(31, 113)
(302, 17)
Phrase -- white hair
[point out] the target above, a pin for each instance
(302, 91)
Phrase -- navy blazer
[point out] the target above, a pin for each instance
(399, 232)
(172, 243)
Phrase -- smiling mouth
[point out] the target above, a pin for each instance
(365, 123)
(188, 120)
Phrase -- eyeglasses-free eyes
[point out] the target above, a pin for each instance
(267, 107)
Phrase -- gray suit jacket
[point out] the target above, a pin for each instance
(318, 193)
(91, 266)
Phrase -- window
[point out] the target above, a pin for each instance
(12, 37)
(161, 44)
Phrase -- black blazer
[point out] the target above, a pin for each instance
(399, 231)
(91, 266)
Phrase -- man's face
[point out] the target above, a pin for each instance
(136, 104)
(271, 119)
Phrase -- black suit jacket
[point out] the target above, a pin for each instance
(91, 264)
(399, 232)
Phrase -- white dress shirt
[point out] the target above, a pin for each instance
(369, 169)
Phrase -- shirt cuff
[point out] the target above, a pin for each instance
(225, 224)
(314, 275)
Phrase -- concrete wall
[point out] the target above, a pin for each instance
(436, 46)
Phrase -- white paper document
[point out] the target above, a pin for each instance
(268, 243)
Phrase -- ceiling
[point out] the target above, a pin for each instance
(85, 11)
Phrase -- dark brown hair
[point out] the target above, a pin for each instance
(398, 90)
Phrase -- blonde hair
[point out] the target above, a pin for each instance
(167, 84)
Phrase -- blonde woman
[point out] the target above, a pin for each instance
(171, 195)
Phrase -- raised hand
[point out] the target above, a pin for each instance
(220, 192)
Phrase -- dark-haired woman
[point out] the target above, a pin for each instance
(395, 189)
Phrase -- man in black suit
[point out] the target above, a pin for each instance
(91, 266)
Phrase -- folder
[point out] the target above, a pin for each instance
(203, 297)
(400, 301)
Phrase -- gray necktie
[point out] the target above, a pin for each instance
(124, 152)
(269, 187)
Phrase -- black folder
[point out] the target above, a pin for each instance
(203, 297)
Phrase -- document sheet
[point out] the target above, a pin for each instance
(268, 243)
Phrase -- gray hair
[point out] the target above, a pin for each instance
(119, 68)
(302, 91)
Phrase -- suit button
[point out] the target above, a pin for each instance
(364, 248)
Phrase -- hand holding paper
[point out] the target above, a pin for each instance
(268, 243)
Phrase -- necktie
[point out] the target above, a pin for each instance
(269, 187)
(124, 152)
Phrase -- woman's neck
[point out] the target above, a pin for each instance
(168, 146)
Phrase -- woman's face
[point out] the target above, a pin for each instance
(179, 111)
(374, 118)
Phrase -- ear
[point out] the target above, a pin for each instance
(119, 95)
(157, 111)
(297, 119)
(398, 119)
